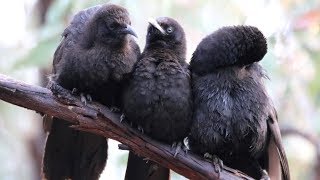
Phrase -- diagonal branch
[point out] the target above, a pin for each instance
(98, 119)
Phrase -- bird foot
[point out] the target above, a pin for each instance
(114, 109)
(122, 118)
(61, 93)
(89, 98)
(85, 98)
(178, 148)
(207, 156)
(217, 162)
(74, 91)
(186, 146)
(264, 175)
(140, 128)
(58, 90)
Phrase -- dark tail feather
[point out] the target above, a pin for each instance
(73, 154)
(137, 168)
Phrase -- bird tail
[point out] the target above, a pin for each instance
(231, 45)
(137, 168)
(73, 154)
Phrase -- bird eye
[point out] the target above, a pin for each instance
(113, 26)
(169, 30)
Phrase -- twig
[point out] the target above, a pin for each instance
(98, 119)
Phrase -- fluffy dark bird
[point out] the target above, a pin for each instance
(96, 53)
(234, 118)
(158, 98)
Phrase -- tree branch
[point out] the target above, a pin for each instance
(98, 119)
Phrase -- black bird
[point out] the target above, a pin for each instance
(96, 53)
(158, 98)
(234, 118)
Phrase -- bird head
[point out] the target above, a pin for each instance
(238, 46)
(167, 32)
(111, 23)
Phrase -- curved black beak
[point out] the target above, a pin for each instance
(128, 30)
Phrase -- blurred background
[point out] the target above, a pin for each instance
(30, 32)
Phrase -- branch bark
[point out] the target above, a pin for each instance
(98, 119)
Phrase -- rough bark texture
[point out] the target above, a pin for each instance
(98, 119)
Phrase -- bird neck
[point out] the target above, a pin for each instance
(156, 47)
(113, 44)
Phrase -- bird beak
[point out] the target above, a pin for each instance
(155, 24)
(129, 30)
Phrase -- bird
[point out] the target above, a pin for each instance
(158, 97)
(96, 54)
(234, 118)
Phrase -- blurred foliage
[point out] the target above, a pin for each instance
(291, 26)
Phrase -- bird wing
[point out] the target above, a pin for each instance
(72, 34)
(276, 151)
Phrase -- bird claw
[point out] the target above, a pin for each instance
(217, 162)
(89, 98)
(58, 90)
(186, 146)
(178, 148)
(74, 91)
(140, 129)
(207, 156)
(264, 175)
(122, 118)
(85, 98)
(173, 145)
(61, 93)
(114, 109)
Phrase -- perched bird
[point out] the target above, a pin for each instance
(158, 97)
(96, 53)
(234, 118)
